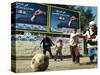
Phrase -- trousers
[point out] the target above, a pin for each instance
(75, 54)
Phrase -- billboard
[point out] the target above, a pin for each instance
(63, 20)
(31, 16)
(37, 17)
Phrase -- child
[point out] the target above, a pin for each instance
(59, 46)
(91, 35)
(47, 43)
(74, 46)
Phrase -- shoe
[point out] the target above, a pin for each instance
(55, 59)
(77, 63)
(90, 62)
(51, 57)
(61, 59)
(74, 62)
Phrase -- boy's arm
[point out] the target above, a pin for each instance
(55, 47)
(83, 35)
(73, 35)
(51, 42)
(41, 43)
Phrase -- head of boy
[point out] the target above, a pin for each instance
(74, 30)
(60, 40)
(45, 35)
(92, 25)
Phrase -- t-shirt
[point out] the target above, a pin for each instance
(46, 42)
(88, 34)
(59, 46)
(74, 39)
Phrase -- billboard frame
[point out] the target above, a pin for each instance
(50, 6)
(48, 29)
(26, 23)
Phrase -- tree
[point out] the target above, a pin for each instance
(86, 16)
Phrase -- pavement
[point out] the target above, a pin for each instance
(66, 64)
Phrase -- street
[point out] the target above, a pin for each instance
(66, 64)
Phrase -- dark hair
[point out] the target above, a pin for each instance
(60, 40)
(45, 34)
(75, 28)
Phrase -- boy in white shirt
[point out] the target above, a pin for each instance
(74, 46)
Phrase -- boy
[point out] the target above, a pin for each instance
(59, 46)
(47, 43)
(91, 35)
(74, 46)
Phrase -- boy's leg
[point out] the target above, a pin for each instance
(56, 56)
(44, 51)
(60, 54)
(91, 58)
(49, 50)
(91, 54)
(72, 53)
(96, 54)
(77, 55)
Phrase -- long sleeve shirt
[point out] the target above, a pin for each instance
(74, 39)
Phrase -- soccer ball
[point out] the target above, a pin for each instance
(39, 62)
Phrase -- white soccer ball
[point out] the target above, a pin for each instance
(39, 62)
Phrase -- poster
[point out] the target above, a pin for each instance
(63, 20)
(30, 16)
